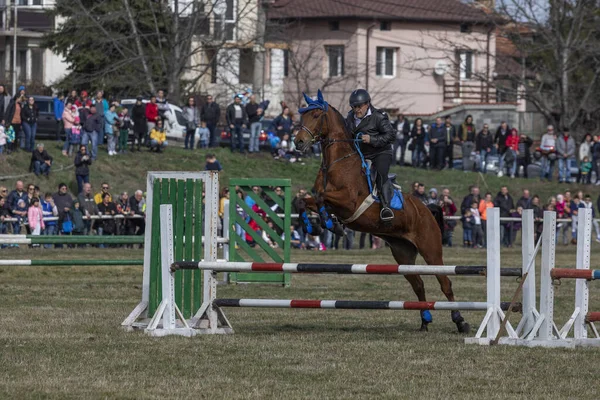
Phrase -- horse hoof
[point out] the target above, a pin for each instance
(463, 327)
(423, 328)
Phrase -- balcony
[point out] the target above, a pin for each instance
(458, 91)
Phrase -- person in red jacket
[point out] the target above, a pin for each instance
(152, 113)
(512, 151)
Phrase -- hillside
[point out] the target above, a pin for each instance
(128, 172)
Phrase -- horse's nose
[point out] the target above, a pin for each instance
(299, 142)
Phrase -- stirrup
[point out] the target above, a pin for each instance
(386, 214)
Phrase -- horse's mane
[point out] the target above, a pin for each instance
(342, 121)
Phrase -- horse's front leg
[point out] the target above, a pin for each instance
(310, 204)
(326, 221)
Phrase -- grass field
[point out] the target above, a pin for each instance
(60, 338)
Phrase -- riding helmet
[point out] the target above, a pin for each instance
(358, 97)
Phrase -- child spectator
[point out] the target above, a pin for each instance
(477, 230)
(313, 243)
(585, 169)
(49, 210)
(35, 217)
(124, 127)
(68, 118)
(212, 164)
(75, 137)
(158, 138)
(295, 240)
(110, 128)
(21, 215)
(203, 135)
(77, 217)
(3, 139)
(468, 223)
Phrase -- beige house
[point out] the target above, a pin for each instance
(412, 56)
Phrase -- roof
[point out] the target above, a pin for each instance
(411, 10)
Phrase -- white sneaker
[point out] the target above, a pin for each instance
(500, 174)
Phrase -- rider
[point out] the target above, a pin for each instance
(377, 138)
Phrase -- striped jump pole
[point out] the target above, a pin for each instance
(68, 263)
(69, 239)
(370, 269)
(568, 273)
(363, 305)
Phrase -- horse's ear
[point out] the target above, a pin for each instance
(307, 99)
(320, 97)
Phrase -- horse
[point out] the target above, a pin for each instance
(341, 187)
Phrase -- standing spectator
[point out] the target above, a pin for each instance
(419, 138)
(162, 103)
(105, 188)
(468, 223)
(211, 113)
(466, 136)
(64, 203)
(515, 226)
(67, 121)
(59, 108)
(450, 140)
(29, 117)
(484, 145)
(437, 137)
(448, 209)
(4, 102)
(82, 167)
(124, 124)
(91, 130)
(484, 204)
(203, 135)
(505, 202)
(500, 143)
(402, 126)
(255, 116)
(89, 207)
(41, 161)
(236, 119)
(107, 208)
(140, 123)
(84, 101)
(283, 123)
(474, 195)
(477, 226)
(49, 210)
(110, 120)
(587, 203)
(548, 149)
(13, 117)
(72, 97)
(35, 218)
(101, 109)
(158, 137)
(512, 151)
(524, 153)
(565, 147)
(136, 226)
(3, 139)
(525, 200)
(152, 113)
(192, 120)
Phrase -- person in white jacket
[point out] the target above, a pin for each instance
(548, 147)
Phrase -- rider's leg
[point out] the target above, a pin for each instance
(381, 163)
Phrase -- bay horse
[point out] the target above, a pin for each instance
(341, 187)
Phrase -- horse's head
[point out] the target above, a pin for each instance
(315, 126)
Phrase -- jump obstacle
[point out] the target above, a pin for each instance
(210, 318)
(545, 332)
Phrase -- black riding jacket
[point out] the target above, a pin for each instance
(378, 126)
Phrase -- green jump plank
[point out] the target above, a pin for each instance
(86, 239)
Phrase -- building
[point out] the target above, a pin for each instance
(34, 65)
(412, 56)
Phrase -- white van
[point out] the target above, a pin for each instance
(174, 120)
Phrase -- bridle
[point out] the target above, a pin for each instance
(318, 135)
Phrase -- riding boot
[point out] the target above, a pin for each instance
(386, 213)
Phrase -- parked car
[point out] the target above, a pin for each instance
(46, 124)
(174, 120)
(263, 142)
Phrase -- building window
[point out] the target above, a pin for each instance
(335, 55)
(385, 26)
(386, 62)
(465, 28)
(465, 64)
(334, 25)
(22, 65)
(286, 63)
(225, 23)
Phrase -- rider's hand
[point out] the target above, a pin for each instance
(366, 138)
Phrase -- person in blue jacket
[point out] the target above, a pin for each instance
(59, 108)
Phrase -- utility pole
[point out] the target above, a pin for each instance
(258, 80)
(14, 63)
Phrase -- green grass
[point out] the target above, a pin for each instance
(128, 172)
(60, 338)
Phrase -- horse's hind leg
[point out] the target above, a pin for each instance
(433, 257)
(405, 253)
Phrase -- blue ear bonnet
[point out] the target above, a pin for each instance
(318, 104)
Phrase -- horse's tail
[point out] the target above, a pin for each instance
(438, 214)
